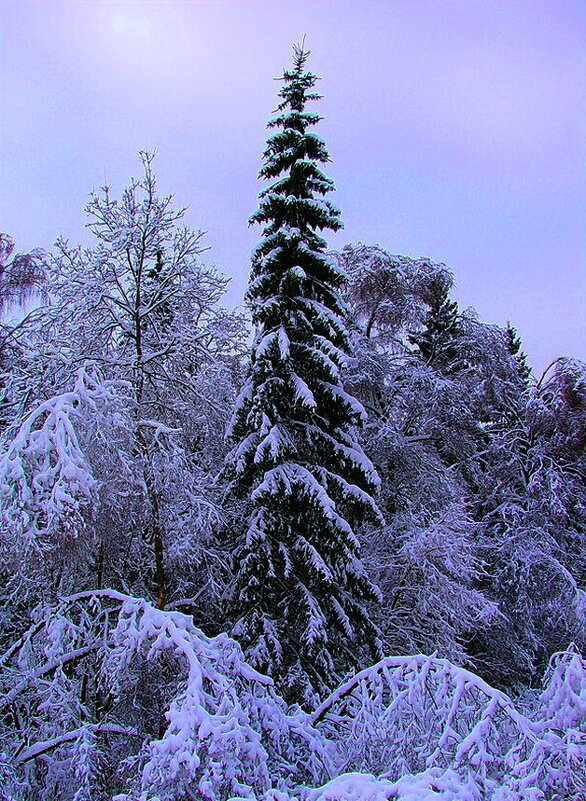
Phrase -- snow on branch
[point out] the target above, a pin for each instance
(407, 714)
(163, 710)
(115, 697)
(48, 493)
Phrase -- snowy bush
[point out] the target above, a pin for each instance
(407, 715)
(431, 785)
(560, 717)
(107, 694)
(49, 493)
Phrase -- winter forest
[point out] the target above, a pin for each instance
(328, 548)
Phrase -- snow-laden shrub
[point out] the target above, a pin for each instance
(432, 785)
(50, 485)
(560, 717)
(106, 695)
(406, 715)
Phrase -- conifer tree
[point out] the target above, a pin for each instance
(438, 341)
(300, 589)
(514, 346)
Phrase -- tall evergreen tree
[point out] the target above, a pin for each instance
(300, 589)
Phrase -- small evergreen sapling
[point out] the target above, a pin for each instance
(439, 343)
(300, 589)
(514, 347)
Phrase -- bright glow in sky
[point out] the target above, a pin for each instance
(128, 24)
(144, 37)
(457, 130)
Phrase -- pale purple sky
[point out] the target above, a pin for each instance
(457, 130)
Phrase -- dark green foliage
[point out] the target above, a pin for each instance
(440, 341)
(514, 348)
(300, 588)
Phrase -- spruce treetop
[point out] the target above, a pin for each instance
(289, 260)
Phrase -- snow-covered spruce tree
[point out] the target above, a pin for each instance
(514, 347)
(300, 593)
(439, 343)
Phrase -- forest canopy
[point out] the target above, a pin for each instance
(330, 547)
